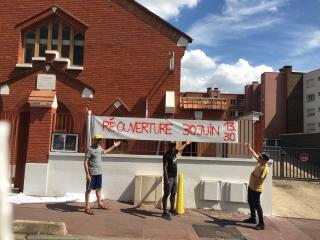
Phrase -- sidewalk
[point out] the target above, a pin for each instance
(124, 221)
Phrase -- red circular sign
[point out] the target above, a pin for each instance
(304, 157)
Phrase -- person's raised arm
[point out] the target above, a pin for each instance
(181, 148)
(253, 153)
(110, 149)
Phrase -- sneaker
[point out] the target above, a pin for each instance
(166, 216)
(173, 212)
(259, 227)
(250, 220)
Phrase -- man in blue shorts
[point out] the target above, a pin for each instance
(170, 177)
(93, 169)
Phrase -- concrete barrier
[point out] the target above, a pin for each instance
(28, 227)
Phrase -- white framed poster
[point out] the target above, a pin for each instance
(64, 142)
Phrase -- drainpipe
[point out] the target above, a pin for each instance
(89, 128)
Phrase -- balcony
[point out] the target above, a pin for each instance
(197, 103)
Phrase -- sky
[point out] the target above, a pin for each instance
(235, 41)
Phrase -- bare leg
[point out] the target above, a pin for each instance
(98, 194)
(87, 195)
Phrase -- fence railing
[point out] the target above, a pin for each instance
(71, 123)
(295, 163)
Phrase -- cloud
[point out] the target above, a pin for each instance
(239, 18)
(168, 8)
(305, 41)
(200, 71)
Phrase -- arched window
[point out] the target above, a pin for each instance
(54, 35)
(43, 42)
(29, 42)
(78, 48)
(65, 50)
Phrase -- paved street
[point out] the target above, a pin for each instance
(301, 198)
(124, 221)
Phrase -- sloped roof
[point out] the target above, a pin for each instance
(53, 11)
(146, 15)
(130, 5)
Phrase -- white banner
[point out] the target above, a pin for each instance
(166, 129)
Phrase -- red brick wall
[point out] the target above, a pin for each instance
(124, 57)
(274, 104)
(39, 134)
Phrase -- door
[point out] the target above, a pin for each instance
(22, 148)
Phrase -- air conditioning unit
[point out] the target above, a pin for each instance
(148, 191)
(170, 102)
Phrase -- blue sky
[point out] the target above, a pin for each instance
(237, 40)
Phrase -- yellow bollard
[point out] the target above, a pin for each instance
(180, 199)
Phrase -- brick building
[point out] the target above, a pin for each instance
(212, 105)
(113, 57)
(279, 98)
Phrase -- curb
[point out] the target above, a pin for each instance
(28, 227)
(67, 237)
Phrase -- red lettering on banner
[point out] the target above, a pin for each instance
(229, 137)
(201, 130)
(145, 127)
(108, 124)
(230, 126)
(185, 129)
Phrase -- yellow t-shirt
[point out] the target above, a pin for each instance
(261, 171)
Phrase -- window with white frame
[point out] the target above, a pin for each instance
(310, 83)
(310, 97)
(310, 126)
(233, 102)
(54, 35)
(311, 112)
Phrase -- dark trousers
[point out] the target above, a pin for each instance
(254, 203)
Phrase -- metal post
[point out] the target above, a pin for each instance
(5, 208)
(89, 128)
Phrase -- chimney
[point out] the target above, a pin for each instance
(216, 92)
(286, 69)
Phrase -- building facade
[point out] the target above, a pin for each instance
(211, 105)
(279, 98)
(311, 101)
(63, 58)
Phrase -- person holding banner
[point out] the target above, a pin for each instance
(93, 170)
(255, 188)
(170, 171)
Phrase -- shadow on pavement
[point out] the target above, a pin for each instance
(225, 222)
(64, 207)
(140, 212)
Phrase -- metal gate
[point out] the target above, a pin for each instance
(295, 163)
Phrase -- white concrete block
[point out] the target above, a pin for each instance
(36, 179)
(211, 190)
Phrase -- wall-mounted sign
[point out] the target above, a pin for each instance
(64, 142)
(166, 129)
(46, 82)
